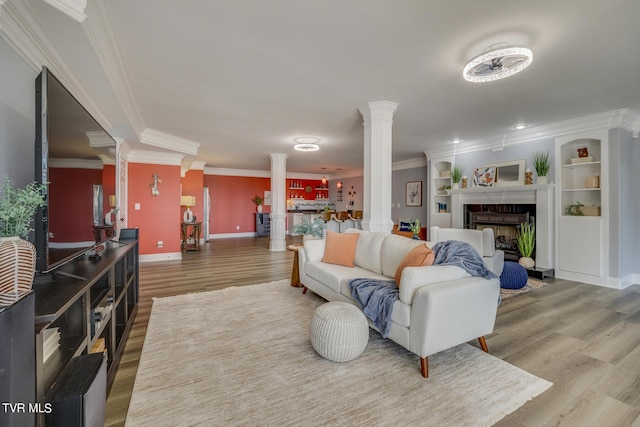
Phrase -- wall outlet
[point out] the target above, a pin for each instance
(237, 227)
(137, 206)
(160, 243)
(51, 235)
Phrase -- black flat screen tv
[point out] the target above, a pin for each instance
(75, 156)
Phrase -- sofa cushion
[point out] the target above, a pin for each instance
(394, 248)
(421, 255)
(340, 249)
(335, 276)
(368, 248)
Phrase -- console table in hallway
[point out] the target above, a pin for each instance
(196, 231)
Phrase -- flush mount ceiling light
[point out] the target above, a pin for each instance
(497, 62)
(520, 126)
(306, 143)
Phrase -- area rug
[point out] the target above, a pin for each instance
(531, 285)
(242, 356)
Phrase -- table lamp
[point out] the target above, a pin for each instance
(188, 201)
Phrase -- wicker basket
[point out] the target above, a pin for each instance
(17, 267)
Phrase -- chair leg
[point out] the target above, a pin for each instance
(304, 289)
(424, 366)
(483, 344)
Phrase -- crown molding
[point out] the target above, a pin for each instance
(169, 142)
(99, 30)
(100, 139)
(624, 118)
(348, 174)
(106, 160)
(418, 162)
(237, 172)
(22, 30)
(75, 164)
(198, 165)
(300, 175)
(154, 157)
(73, 8)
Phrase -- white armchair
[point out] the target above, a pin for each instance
(482, 240)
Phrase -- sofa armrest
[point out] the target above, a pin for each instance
(413, 278)
(495, 263)
(446, 314)
(313, 250)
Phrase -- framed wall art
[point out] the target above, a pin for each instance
(413, 193)
(484, 176)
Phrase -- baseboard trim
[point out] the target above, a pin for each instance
(167, 256)
(231, 235)
(624, 282)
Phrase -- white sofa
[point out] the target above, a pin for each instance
(438, 307)
(482, 240)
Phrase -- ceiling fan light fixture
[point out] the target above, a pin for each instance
(306, 143)
(307, 147)
(497, 63)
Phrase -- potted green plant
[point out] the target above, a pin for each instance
(542, 163)
(415, 229)
(17, 256)
(574, 209)
(258, 201)
(456, 175)
(526, 239)
(310, 229)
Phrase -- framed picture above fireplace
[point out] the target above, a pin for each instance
(508, 173)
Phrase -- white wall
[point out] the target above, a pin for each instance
(17, 112)
(398, 194)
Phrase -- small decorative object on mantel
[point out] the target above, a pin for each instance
(542, 164)
(463, 182)
(526, 239)
(528, 177)
(17, 256)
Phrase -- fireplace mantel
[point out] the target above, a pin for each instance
(542, 195)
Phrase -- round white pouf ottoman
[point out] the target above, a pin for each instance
(339, 331)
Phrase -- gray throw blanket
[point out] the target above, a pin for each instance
(463, 255)
(375, 297)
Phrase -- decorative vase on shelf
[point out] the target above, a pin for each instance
(259, 208)
(542, 180)
(17, 268)
(455, 186)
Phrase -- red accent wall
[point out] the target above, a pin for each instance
(231, 202)
(71, 203)
(193, 185)
(159, 217)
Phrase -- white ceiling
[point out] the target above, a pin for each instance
(243, 78)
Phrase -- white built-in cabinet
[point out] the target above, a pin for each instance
(440, 210)
(582, 240)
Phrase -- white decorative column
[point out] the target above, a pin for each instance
(278, 201)
(378, 121)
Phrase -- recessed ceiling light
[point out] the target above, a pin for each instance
(497, 62)
(520, 126)
(455, 141)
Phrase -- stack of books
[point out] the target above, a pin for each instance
(51, 342)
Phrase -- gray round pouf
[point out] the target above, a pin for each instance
(339, 331)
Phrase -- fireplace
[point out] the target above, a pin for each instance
(513, 203)
(504, 219)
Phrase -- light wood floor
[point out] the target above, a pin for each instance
(585, 339)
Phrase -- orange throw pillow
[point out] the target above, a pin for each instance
(340, 248)
(418, 256)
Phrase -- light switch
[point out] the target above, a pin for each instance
(137, 206)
